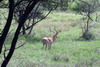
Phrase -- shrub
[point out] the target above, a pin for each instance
(87, 36)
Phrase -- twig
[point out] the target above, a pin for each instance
(4, 51)
(10, 32)
(17, 47)
(4, 16)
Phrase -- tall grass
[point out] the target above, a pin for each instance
(66, 51)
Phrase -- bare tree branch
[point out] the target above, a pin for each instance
(18, 3)
(16, 47)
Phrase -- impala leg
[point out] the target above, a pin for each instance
(45, 46)
(49, 47)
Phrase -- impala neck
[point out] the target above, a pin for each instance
(54, 37)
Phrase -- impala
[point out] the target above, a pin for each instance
(47, 41)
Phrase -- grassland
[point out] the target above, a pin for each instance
(66, 51)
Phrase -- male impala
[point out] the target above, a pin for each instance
(47, 41)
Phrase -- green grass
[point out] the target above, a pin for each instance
(66, 51)
(73, 52)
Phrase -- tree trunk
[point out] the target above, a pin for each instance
(24, 31)
(8, 24)
(87, 25)
(31, 28)
(96, 18)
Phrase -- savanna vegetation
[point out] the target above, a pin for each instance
(77, 45)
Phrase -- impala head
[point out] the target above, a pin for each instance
(55, 36)
(56, 32)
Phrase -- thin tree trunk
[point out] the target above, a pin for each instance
(24, 31)
(96, 18)
(31, 28)
(87, 25)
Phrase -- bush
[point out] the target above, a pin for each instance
(87, 36)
